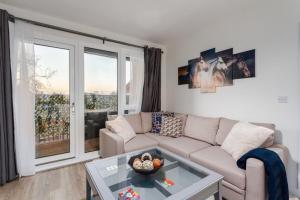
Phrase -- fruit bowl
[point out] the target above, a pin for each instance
(141, 163)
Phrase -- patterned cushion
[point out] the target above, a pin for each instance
(171, 126)
(157, 119)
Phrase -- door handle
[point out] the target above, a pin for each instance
(73, 107)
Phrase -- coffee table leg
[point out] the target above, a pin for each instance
(218, 195)
(88, 191)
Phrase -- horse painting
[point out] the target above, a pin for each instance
(207, 81)
(217, 69)
(244, 66)
(223, 70)
(183, 75)
(194, 73)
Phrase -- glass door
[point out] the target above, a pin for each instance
(100, 93)
(54, 101)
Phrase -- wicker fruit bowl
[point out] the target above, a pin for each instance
(146, 163)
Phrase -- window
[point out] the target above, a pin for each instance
(128, 84)
(134, 80)
(52, 100)
(100, 93)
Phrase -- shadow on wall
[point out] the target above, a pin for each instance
(292, 165)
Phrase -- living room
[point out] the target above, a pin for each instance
(175, 100)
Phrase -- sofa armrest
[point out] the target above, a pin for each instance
(255, 174)
(111, 144)
(255, 180)
(282, 151)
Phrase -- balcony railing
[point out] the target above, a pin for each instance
(52, 115)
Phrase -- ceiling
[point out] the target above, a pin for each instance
(157, 20)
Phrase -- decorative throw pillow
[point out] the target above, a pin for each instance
(121, 127)
(244, 137)
(171, 126)
(157, 119)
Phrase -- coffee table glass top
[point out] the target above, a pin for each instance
(172, 178)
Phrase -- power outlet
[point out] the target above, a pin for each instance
(282, 99)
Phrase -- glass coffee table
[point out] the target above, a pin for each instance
(178, 179)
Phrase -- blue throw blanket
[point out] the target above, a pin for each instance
(275, 172)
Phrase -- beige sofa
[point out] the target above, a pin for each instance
(201, 144)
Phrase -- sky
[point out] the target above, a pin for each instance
(52, 61)
(100, 72)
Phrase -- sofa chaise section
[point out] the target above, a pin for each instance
(218, 160)
(247, 184)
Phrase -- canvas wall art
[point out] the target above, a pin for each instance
(223, 74)
(244, 66)
(217, 69)
(208, 61)
(194, 73)
(183, 75)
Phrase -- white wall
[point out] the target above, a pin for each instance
(272, 28)
(92, 30)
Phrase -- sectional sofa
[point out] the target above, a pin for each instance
(201, 144)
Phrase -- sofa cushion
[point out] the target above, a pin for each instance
(183, 146)
(157, 120)
(227, 124)
(135, 121)
(202, 128)
(171, 126)
(244, 137)
(183, 118)
(218, 160)
(146, 121)
(121, 127)
(158, 138)
(140, 141)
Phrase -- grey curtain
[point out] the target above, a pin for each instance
(152, 80)
(8, 169)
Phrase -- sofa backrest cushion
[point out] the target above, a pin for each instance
(183, 118)
(135, 121)
(121, 127)
(146, 121)
(245, 137)
(227, 124)
(202, 128)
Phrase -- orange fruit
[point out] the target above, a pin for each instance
(156, 163)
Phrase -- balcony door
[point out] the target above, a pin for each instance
(100, 93)
(54, 101)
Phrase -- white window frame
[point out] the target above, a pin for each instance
(128, 53)
(48, 159)
(80, 88)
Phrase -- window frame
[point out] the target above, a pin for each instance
(71, 48)
(80, 88)
(83, 83)
(128, 53)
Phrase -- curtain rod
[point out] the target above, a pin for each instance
(104, 39)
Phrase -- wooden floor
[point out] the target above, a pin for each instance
(63, 146)
(66, 183)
